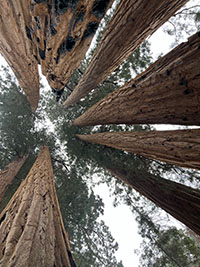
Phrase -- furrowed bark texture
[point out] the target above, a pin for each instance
(15, 47)
(9, 172)
(131, 24)
(180, 201)
(181, 147)
(31, 227)
(167, 92)
(54, 34)
(61, 32)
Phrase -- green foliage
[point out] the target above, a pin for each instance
(164, 245)
(15, 120)
(81, 209)
(171, 248)
(197, 17)
(22, 132)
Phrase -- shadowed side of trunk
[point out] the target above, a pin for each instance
(167, 92)
(180, 201)
(9, 172)
(180, 147)
(131, 24)
(31, 227)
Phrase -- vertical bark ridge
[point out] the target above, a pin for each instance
(180, 201)
(180, 147)
(31, 227)
(168, 92)
(131, 24)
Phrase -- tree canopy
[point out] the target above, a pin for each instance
(79, 166)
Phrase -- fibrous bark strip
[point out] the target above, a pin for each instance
(61, 33)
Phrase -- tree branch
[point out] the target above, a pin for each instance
(109, 81)
(68, 88)
(97, 249)
(185, 9)
(61, 162)
(80, 71)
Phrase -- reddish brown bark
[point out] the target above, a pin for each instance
(167, 92)
(9, 172)
(65, 33)
(31, 227)
(181, 147)
(131, 24)
(14, 46)
(180, 201)
(54, 34)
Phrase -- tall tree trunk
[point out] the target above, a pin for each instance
(181, 201)
(167, 92)
(181, 147)
(131, 24)
(15, 47)
(31, 227)
(9, 172)
(65, 33)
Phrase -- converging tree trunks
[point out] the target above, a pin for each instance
(131, 24)
(54, 34)
(168, 92)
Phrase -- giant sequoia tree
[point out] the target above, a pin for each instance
(14, 45)
(169, 195)
(180, 147)
(31, 227)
